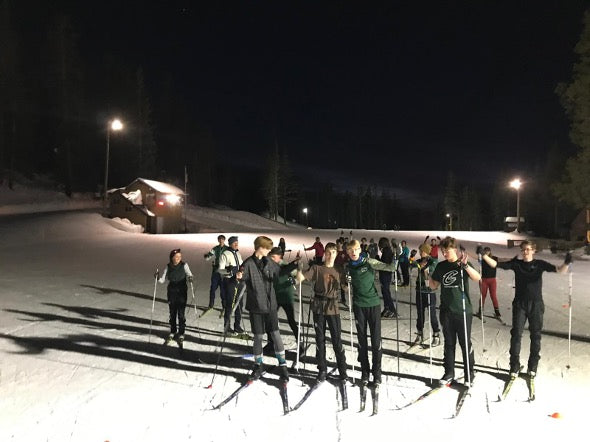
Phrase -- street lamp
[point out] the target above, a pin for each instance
(305, 211)
(515, 184)
(114, 125)
(450, 217)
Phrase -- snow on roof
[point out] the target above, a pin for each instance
(162, 187)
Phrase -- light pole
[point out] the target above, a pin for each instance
(306, 222)
(515, 184)
(114, 125)
(450, 217)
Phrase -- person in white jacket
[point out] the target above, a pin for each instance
(230, 262)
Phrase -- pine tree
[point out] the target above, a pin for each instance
(9, 92)
(574, 187)
(451, 198)
(146, 146)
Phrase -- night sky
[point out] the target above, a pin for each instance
(388, 92)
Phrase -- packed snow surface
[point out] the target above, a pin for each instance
(78, 361)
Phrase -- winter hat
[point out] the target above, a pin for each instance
(174, 252)
(276, 251)
(232, 239)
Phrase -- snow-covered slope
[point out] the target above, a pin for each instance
(77, 361)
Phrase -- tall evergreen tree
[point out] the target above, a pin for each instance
(146, 146)
(9, 91)
(65, 73)
(574, 187)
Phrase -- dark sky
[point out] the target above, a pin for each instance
(361, 91)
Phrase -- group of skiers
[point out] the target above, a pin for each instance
(344, 271)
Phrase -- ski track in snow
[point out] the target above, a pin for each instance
(76, 363)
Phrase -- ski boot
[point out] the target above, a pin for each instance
(180, 341)
(257, 372)
(283, 373)
(497, 314)
(435, 339)
(447, 379)
(169, 339)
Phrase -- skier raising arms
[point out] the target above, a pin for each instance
(455, 317)
(528, 302)
(177, 273)
(367, 307)
(259, 274)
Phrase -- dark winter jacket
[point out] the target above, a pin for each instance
(259, 276)
(284, 284)
(362, 273)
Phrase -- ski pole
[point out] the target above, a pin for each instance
(153, 303)
(233, 308)
(298, 330)
(195, 306)
(467, 352)
(396, 311)
(410, 285)
(306, 257)
(429, 335)
(349, 281)
(306, 334)
(569, 333)
(481, 301)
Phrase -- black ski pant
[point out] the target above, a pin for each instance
(176, 294)
(426, 300)
(216, 281)
(453, 330)
(290, 312)
(269, 323)
(232, 288)
(369, 318)
(385, 280)
(523, 310)
(405, 268)
(335, 326)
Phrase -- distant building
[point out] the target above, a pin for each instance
(510, 223)
(155, 205)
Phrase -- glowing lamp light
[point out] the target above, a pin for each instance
(515, 184)
(173, 199)
(160, 203)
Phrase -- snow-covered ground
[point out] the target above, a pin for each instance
(77, 362)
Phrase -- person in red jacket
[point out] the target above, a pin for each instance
(318, 247)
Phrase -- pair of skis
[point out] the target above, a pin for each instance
(317, 384)
(530, 382)
(179, 341)
(250, 381)
(464, 392)
(364, 385)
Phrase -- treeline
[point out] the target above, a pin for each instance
(58, 93)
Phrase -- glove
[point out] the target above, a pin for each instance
(568, 258)
(229, 270)
(413, 253)
(291, 280)
(190, 279)
(348, 278)
(157, 274)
